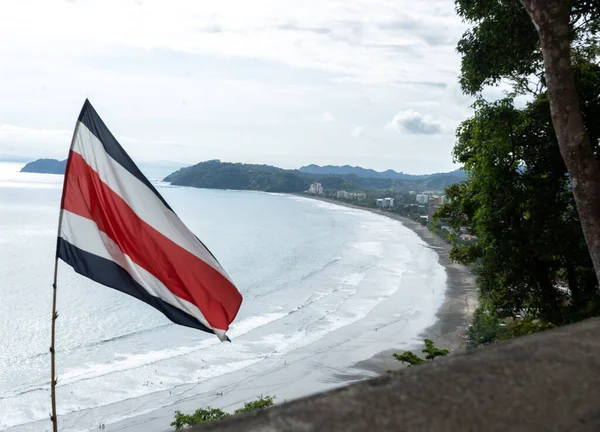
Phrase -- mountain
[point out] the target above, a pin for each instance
(45, 166)
(369, 173)
(215, 174)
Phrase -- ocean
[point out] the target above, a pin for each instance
(324, 287)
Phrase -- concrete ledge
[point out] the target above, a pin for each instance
(544, 382)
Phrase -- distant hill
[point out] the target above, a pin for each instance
(46, 166)
(369, 173)
(215, 174)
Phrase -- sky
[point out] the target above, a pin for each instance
(282, 82)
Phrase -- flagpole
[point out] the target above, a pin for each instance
(52, 350)
(53, 378)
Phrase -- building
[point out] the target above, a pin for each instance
(422, 198)
(316, 188)
(433, 205)
(385, 202)
(351, 195)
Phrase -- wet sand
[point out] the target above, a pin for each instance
(455, 314)
(448, 331)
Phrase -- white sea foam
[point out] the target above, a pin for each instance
(252, 323)
(369, 248)
(323, 285)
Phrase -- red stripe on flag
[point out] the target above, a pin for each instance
(183, 273)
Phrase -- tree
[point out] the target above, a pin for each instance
(430, 350)
(504, 45)
(551, 19)
(518, 202)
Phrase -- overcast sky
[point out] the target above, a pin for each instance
(282, 82)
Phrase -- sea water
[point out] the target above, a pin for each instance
(324, 287)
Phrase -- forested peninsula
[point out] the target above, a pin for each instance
(215, 174)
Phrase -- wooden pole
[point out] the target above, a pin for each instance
(52, 350)
(53, 377)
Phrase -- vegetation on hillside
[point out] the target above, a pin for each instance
(215, 174)
(532, 44)
(208, 414)
(531, 259)
(369, 173)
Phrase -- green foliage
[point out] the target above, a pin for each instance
(488, 328)
(529, 256)
(215, 174)
(208, 414)
(431, 352)
(255, 405)
(517, 201)
(524, 327)
(502, 43)
(200, 416)
(409, 357)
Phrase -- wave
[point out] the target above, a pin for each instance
(134, 361)
(99, 342)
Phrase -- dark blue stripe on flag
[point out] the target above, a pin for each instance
(90, 118)
(114, 276)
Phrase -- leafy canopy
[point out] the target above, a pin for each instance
(502, 43)
(518, 202)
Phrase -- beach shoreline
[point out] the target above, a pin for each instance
(451, 322)
(452, 318)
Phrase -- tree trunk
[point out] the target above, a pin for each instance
(551, 20)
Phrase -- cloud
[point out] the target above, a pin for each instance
(327, 117)
(358, 131)
(360, 40)
(246, 81)
(24, 142)
(413, 122)
(17, 134)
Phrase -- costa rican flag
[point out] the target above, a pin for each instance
(116, 229)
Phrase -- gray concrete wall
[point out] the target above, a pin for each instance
(544, 382)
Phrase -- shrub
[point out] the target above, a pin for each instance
(255, 405)
(430, 350)
(208, 414)
(201, 415)
(486, 328)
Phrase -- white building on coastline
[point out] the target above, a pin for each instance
(350, 195)
(385, 202)
(422, 198)
(315, 188)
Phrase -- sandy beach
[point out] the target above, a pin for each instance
(315, 363)
(456, 313)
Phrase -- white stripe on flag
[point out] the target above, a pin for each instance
(144, 203)
(85, 235)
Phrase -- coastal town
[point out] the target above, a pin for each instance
(419, 206)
